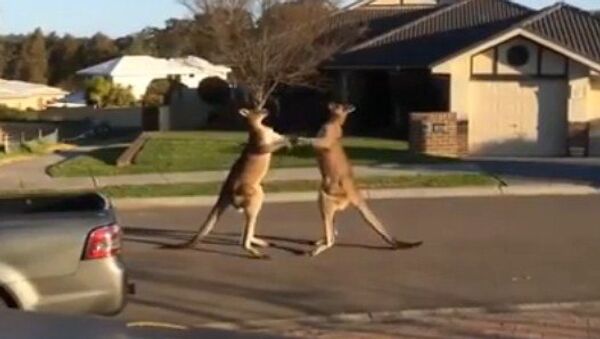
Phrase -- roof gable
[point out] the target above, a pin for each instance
(143, 65)
(569, 27)
(449, 30)
(379, 20)
(440, 33)
(393, 3)
(461, 15)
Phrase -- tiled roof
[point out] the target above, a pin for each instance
(381, 19)
(442, 32)
(569, 27)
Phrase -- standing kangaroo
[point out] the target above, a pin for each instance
(242, 188)
(338, 189)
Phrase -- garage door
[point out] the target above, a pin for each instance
(512, 118)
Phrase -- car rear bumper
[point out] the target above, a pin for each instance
(97, 287)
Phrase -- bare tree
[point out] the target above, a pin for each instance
(271, 42)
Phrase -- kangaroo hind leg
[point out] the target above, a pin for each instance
(252, 208)
(328, 207)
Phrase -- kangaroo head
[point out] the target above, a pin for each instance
(340, 111)
(259, 132)
(254, 117)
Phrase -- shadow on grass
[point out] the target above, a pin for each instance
(366, 155)
(106, 155)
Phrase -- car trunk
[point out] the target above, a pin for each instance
(44, 236)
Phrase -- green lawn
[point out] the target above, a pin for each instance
(199, 151)
(212, 188)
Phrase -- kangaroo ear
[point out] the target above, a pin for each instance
(350, 108)
(332, 106)
(244, 112)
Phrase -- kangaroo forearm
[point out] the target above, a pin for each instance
(320, 143)
(274, 147)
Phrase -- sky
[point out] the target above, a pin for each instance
(86, 17)
(120, 17)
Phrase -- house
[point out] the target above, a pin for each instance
(477, 77)
(24, 95)
(138, 72)
(75, 99)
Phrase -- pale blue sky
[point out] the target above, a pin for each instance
(119, 17)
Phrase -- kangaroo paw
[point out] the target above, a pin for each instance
(260, 242)
(320, 249)
(256, 254)
(402, 245)
(319, 242)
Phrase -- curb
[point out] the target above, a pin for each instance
(375, 194)
(378, 317)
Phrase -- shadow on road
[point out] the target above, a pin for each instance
(166, 239)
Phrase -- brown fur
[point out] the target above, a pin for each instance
(338, 188)
(242, 188)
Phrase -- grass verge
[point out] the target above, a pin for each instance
(379, 182)
(204, 151)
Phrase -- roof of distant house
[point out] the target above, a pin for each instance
(142, 65)
(20, 89)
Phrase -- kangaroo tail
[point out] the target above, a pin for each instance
(378, 227)
(210, 222)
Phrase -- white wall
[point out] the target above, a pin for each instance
(138, 84)
(513, 102)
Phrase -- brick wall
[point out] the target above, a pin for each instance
(463, 137)
(579, 137)
(438, 133)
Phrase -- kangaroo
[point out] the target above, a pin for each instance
(338, 188)
(242, 189)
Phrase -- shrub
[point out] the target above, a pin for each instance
(214, 91)
(103, 92)
(7, 113)
(157, 93)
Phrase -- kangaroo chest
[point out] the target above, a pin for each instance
(254, 167)
(334, 163)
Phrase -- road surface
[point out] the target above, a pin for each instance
(477, 252)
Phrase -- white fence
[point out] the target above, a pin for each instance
(11, 143)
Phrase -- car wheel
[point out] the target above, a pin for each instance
(5, 300)
(3, 304)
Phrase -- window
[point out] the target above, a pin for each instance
(517, 56)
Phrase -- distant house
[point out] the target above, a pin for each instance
(72, 100)
(488, 77)
(24, 95)
(138, 72)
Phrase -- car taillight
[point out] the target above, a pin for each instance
(103, 242)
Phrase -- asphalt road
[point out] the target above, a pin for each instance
(477, 252)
